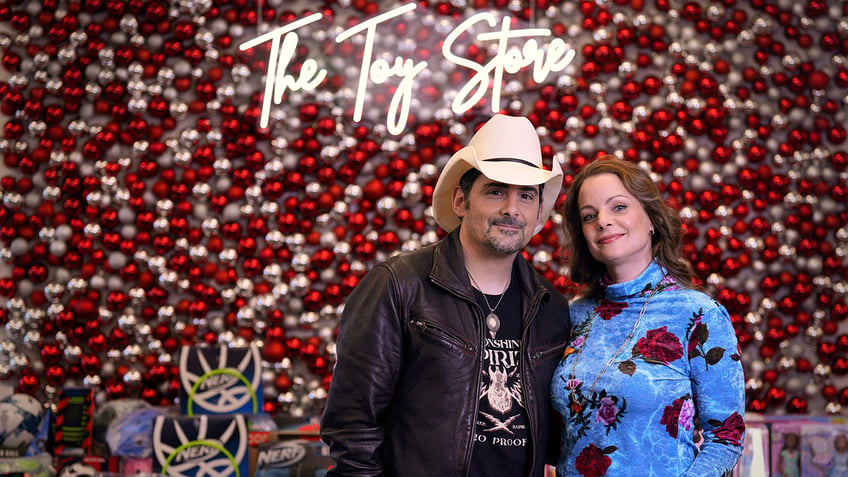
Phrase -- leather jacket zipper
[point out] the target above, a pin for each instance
(542, 354)
(470, 449)
(427, 327)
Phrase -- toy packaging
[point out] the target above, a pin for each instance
(200, 445)
(72, 426)
(292, 458)
(220, 380)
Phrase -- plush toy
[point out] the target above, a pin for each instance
(129, 434)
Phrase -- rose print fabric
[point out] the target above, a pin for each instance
(680, 372)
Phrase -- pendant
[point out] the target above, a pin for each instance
(575, 404)
(493, 323)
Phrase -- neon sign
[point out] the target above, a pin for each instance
(545, 59)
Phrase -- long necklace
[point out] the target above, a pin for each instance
(581, 403)
(492, 320)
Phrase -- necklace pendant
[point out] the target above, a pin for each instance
(493, 323)
(575, 405)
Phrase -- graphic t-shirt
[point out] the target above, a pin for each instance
(502, 436)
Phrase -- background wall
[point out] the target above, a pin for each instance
(144, 208)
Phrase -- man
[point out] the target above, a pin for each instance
(445, 354)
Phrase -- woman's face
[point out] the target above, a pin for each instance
(616, 227)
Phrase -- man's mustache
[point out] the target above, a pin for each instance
(508, 222)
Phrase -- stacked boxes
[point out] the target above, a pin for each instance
(219, 388)
(201, 445)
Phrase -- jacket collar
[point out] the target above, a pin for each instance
(449, 268)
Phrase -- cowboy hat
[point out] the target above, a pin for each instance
(505, 149)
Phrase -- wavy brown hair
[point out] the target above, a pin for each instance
(666, 241)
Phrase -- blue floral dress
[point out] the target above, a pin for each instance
(637, 380)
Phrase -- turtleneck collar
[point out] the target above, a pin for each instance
(644, 283)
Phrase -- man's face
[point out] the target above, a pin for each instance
(497, 217)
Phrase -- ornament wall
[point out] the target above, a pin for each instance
(145, 208)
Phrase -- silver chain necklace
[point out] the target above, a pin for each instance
(581, 403)
(492, 320)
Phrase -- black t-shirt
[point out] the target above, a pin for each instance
(502, 436)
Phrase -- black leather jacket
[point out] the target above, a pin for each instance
(404, 393)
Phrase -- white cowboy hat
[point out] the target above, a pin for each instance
(505, 149)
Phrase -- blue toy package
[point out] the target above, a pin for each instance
(292, 458)
(201, 445)
(220, 380)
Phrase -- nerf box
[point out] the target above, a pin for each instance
(200, 445)
(290, 455)
(220, 380)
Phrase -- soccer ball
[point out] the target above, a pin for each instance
(26, 402)
(20, 417)
(77, 469)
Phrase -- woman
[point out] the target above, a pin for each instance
(651, 358)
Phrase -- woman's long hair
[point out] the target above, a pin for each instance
(666, 241)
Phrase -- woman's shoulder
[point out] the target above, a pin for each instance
(579, 308)
(697, 304)
(690, 296)
(582, 302)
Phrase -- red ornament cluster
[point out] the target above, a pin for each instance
(144, 209)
